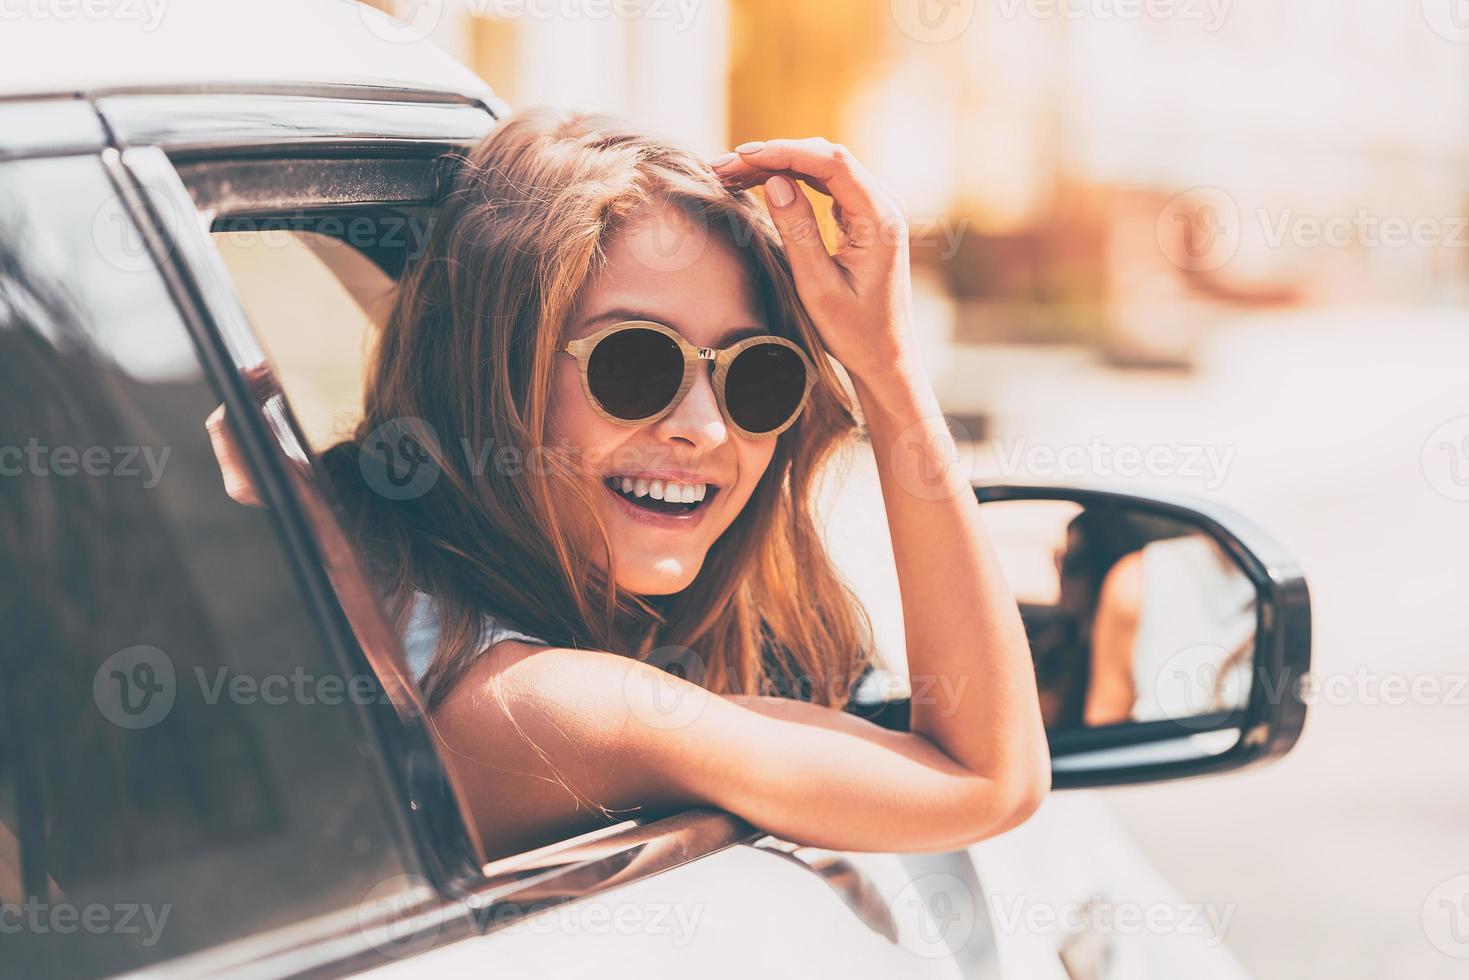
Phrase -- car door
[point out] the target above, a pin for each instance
(197, 770)
(699, 891)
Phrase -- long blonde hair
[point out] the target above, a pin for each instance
(465, 361)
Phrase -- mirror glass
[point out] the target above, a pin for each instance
(1133, 617)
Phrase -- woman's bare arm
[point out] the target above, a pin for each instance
(536, 734)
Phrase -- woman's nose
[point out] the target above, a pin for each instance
(696, 420)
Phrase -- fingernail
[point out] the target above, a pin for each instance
(754, 146)
(780, 191)
(723, 160)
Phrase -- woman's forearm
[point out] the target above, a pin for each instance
(966, 645)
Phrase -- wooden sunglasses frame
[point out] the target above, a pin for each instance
(722, 358)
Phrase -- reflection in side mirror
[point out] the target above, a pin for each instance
(1164, 644)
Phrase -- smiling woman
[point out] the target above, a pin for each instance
(640, 355)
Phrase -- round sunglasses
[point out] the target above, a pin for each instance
(635, 372)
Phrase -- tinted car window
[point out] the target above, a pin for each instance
(313, 302)
(182, 761)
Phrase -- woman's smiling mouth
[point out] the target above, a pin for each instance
(661, 500)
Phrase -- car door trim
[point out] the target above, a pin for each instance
(192, 124)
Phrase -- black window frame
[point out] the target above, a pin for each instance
(343, 940)
(274, 447)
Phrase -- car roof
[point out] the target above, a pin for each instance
(208, 45)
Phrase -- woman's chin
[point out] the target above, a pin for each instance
(658, 576)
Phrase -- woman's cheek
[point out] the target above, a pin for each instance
(755, 457)
(569, 417)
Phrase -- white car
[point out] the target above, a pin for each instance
(212, 760)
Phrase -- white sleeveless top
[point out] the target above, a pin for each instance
(421, 636)
(1197, 608)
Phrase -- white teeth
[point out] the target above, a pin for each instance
(667, 491)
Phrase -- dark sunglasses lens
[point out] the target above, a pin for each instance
(635, 373)
(764, 387)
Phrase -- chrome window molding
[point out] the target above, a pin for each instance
(49, 127)
(520, 886)
(200, 123)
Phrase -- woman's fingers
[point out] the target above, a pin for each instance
(866, 207)
(232, 466)
(745, 176)
(815, 271)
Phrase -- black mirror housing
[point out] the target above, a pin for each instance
(1267, 714)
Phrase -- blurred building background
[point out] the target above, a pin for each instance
(1075, 173)
(1238, 226)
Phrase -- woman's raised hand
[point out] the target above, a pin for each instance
(860, 298)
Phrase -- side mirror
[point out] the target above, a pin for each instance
(1170, 636)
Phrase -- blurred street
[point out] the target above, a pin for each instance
(1330, 854)
(1366, 818)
